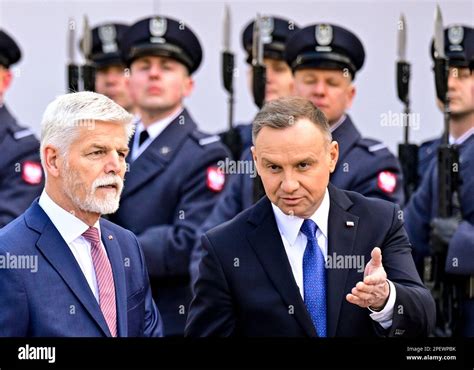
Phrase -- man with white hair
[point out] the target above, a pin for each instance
(65, 271)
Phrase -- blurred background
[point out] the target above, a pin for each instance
(40, 27)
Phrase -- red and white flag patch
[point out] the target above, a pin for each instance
(215, 179)
(31, 172)
(387, 181)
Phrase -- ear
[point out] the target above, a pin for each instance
(333, 155)
(52, 160)
(351, 92)
(6, 78)
(254, 153)
(188, 86)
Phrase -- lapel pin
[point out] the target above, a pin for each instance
(111, 237)
(350, 223)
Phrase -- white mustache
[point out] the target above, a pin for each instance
(108, 180)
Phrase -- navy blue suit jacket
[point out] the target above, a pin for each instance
(260, 297)
(56, 300)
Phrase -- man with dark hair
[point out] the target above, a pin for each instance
(277, 262)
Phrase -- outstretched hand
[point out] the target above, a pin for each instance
(373, 292)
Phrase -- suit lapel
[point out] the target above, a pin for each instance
(156, 157)
(117, 263)
(341, 240)
(57, 253)
(266, 241)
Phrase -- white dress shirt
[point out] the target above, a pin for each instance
(295, 241)
(154, 130)
(71, 229)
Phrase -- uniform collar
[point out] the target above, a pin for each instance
(68, 225)
(339, 122)
(154, 130)
(461, 139)
(158, 126)
(346, 135)
(289, 226)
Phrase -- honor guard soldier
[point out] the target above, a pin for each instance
(459, 49)
(325, 59)
(173, 180)
(279, 79)
(110, 78)
(21, 176)
(422, 220)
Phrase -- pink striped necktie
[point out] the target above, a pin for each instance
(105, 279)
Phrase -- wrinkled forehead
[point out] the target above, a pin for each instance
(298, 132)
(303, 139)
(100, 131)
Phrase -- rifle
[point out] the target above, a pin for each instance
(231, 137)
(445, 288)
(258, 89)
(80, 78)
(407, 153)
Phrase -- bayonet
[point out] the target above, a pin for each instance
(402, 38)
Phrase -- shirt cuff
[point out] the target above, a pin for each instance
(384, 317)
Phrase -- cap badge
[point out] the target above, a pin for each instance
(455, 37)
(158, 26)
(323, 34)
(107, 35)
(267, 27)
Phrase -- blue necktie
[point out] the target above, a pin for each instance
(314, 278)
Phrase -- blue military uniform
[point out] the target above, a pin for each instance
(274, 33)
(426, 154)
(423, 207)
(459, 48)
(21, 176)
(171, 186)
